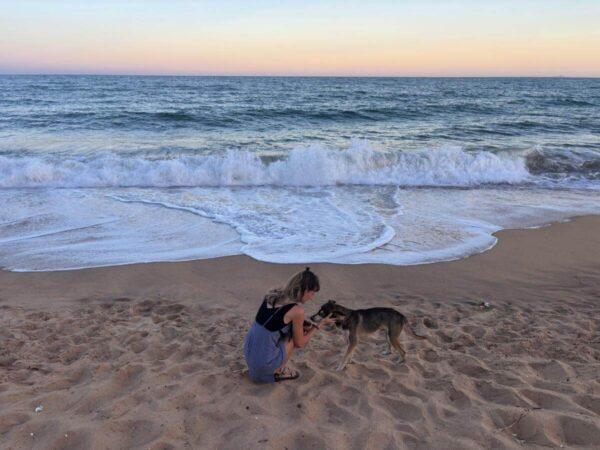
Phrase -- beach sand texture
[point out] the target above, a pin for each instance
(150, 356)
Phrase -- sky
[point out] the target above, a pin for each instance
(266, 37)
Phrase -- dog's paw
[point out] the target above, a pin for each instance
(385, 353)
(340, 368)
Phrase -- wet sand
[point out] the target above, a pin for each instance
(150, 355)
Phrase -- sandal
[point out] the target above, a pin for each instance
(286, 374)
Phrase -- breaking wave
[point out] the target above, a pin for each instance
(359, 164)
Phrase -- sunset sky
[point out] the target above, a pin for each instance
(256, 37)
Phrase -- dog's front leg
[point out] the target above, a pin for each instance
(352, 341)
(387, 350)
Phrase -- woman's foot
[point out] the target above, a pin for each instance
(286, 374)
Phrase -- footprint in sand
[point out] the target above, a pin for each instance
(11, 420)
(553, 370)
(476, 332)
(499, 395)
(580, 432)
(547, 400)
(400, 410)
(430, 323)
(470, 367)
(457, 397)
(132, 433)
(36, 431)
(72, 440)
(506, 379)
(589, 402)
(430, 355)
(73, 353)
(162, 446)
(562, 388)
(530, 428)
(301, 439)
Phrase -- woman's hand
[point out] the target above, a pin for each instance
(326, 321)
(307, 326)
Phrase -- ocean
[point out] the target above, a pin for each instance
(107, 170)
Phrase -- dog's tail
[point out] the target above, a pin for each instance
(410, 331)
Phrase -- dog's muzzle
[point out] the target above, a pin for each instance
(316, 318)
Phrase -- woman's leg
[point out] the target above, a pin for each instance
(289, 348)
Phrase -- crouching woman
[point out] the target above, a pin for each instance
(279, 327)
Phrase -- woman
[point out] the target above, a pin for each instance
(279, 328)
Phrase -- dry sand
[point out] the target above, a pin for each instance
(149, 356)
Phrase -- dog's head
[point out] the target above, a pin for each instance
(331, 308)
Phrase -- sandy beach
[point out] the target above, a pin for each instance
(150, 355)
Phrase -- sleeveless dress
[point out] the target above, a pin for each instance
(264, 346)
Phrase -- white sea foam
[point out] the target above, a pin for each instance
(69, 229)
(55, 229)
(360, 164)
(314, 205)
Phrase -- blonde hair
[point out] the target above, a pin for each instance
(294, 289)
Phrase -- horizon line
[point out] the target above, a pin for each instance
(287, 76)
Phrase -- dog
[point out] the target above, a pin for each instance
(366, 321)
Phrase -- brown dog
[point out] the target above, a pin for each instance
(366, 321)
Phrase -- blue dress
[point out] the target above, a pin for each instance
(264, 346)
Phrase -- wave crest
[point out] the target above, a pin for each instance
(562, 165)
(359, 164)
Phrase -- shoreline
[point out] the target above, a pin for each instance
(496, 235)
(8, 277)
(149, 355)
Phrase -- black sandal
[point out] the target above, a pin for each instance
(286, 374)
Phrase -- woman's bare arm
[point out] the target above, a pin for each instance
(296, 316)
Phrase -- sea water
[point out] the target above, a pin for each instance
(102, 170)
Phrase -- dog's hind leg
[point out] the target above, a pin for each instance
(394, 331)
(388, 350)
(352, 341)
